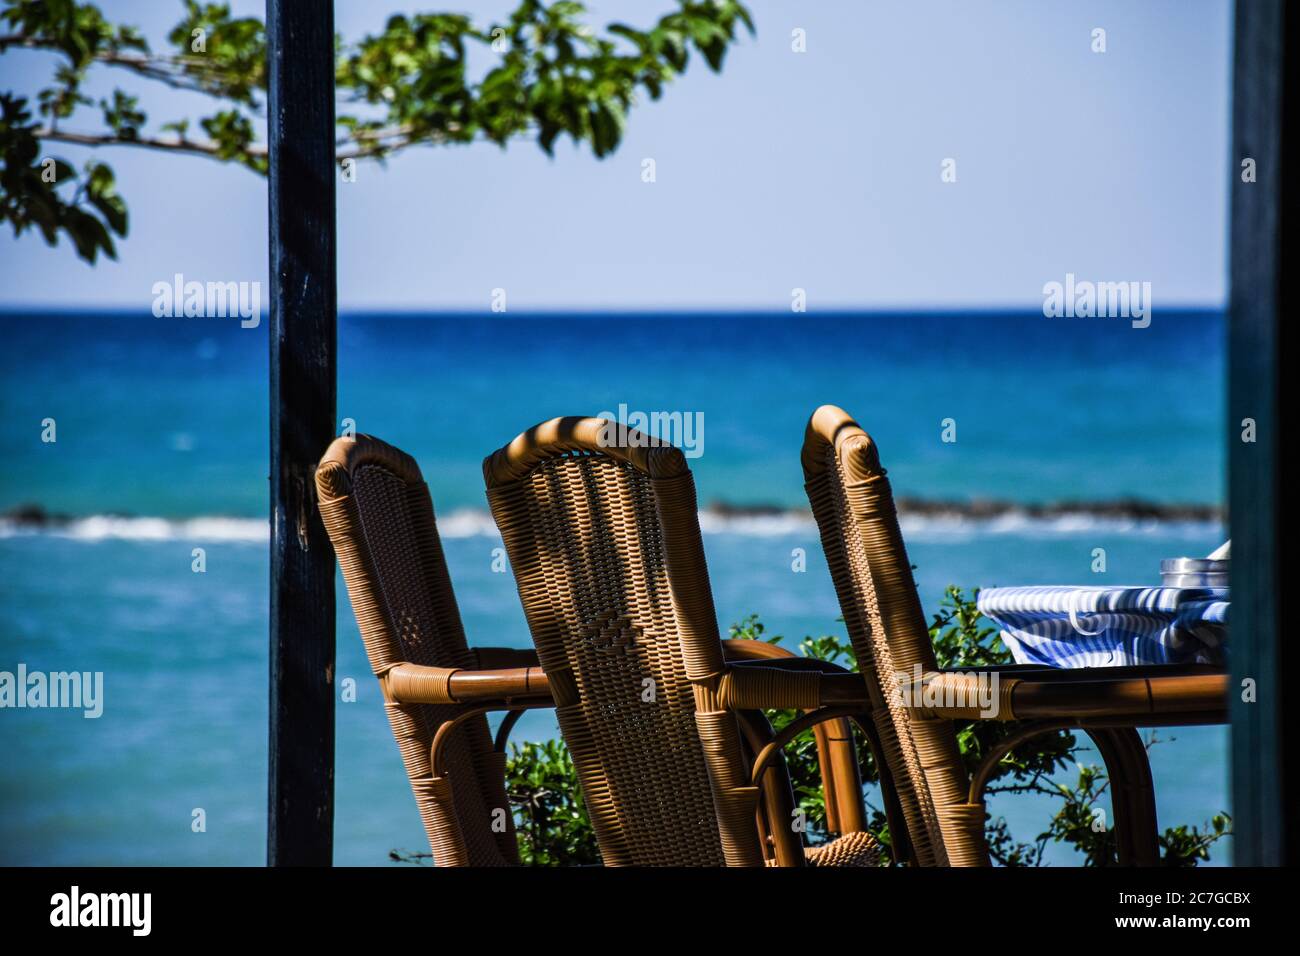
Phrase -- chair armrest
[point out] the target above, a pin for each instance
(793, 683)
(744, 649)
(492, 658)
(1042, 672)
(419, 684)
(743, 652)
(1021, 695)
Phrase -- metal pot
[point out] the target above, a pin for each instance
(1194, 573)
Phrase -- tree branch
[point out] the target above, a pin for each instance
(175, 145)
(169, 70)
(369, 144)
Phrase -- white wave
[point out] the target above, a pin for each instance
(476, 523)
(119, 528)
(467, 523)
(1067, 525)
(758, 526)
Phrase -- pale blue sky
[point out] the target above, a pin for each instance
(818, 170)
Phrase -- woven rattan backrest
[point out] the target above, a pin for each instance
(380, 519)
(854, 508)
(603, 538)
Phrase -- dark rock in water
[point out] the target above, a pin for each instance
(978, 509)
(1121, 508)
(726, 509)
(1131, 508)
(33, 516)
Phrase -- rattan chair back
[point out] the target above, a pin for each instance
(379, 515)
(854, 509)
(602, 532)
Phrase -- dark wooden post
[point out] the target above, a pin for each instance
(1265, 254)
(300, 74)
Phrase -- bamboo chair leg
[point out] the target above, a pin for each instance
(845, 812)
(1132, 794)
(829, 786)
(1121, 797)
(776, 807)
(1142, 797)
(900, 840)
(749, 739)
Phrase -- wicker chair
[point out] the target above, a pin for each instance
(436, 689)
(942, 805)
(604, 541)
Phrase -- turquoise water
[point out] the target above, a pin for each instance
(168, 416)
(165, 419)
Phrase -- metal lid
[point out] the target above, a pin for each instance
(1194, 566)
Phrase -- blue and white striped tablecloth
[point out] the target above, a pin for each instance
(1109, 626)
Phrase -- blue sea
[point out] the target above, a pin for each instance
(161, 447)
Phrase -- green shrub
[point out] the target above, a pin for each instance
(550, 817)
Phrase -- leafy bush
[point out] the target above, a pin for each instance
(552, 821)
